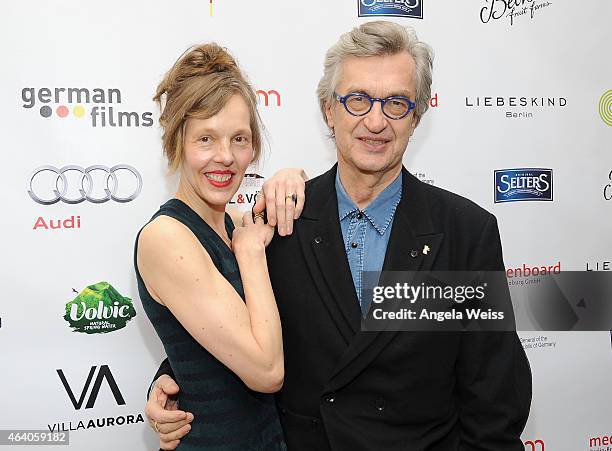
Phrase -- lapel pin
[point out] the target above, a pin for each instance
(426, 249)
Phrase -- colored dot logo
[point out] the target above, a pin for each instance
(605, 107)
(78, 111)
(63, 111)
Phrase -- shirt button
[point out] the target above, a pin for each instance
(381, 404)
(318, 240)
(414, 253)
(330, 398)
(354, 245)
(359, 215)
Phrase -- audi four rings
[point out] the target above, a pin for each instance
(85, 189)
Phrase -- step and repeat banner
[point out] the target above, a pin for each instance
(520, 122)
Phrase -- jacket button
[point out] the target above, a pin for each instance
(414, 253)
(359, 215)
(318, 240)
(315, 423)
(330, 398)
(381, 404)
(354, 245)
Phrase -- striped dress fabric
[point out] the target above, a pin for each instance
(228, 415)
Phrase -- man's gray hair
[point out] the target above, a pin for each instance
(378, 38)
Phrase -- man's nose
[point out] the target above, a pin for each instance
(375, 120)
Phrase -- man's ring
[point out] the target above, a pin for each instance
(155, 427)
(292, 196)
(259, 215)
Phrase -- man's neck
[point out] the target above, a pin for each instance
(364, 188)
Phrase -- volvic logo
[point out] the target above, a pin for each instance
(99, 309)
(401, 8)
(103, 373)
(101, 107)
(513, 185)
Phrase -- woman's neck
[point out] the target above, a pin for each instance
(213, 215)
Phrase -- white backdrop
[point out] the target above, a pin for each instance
(561, 53)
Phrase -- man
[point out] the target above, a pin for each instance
(346, 389)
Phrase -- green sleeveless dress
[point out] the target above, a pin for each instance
(227, 414)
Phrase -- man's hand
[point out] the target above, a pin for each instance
(164, 417)
(283, 199)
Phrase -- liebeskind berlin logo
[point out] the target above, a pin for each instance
(105, 109)
(512, 185)
(401, 8)
(99, 309)
(516, 107)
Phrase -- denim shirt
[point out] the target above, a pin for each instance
(366, 232)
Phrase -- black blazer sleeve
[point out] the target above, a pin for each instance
(164, 368)
(493, 373)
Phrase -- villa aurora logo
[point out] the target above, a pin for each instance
(99, 309)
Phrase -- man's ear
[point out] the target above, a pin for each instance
(414, 123)
(329, 117)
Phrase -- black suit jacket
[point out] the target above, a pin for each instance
(346, 389)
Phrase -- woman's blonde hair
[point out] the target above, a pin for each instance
(199, 85)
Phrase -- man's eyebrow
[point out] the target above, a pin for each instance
(401, 92)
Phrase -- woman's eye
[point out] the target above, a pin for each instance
(205, 139)
(240, 139)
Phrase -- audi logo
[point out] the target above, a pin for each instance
(95, 189)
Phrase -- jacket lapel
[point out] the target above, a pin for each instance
(322, 245)
(413, 246)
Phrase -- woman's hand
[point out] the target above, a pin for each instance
(252, 236)
(282, 197)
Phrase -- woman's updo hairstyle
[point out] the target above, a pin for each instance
(199, 85)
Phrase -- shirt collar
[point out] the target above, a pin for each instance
(380, 211)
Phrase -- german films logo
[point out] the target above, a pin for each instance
(605, 107)
(393, 8)
(101, 107)
(512, 185)
(99, 309)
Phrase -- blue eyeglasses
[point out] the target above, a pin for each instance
(360, 104)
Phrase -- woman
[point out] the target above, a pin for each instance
(204, 284)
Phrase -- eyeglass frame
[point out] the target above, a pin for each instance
(342, 100)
